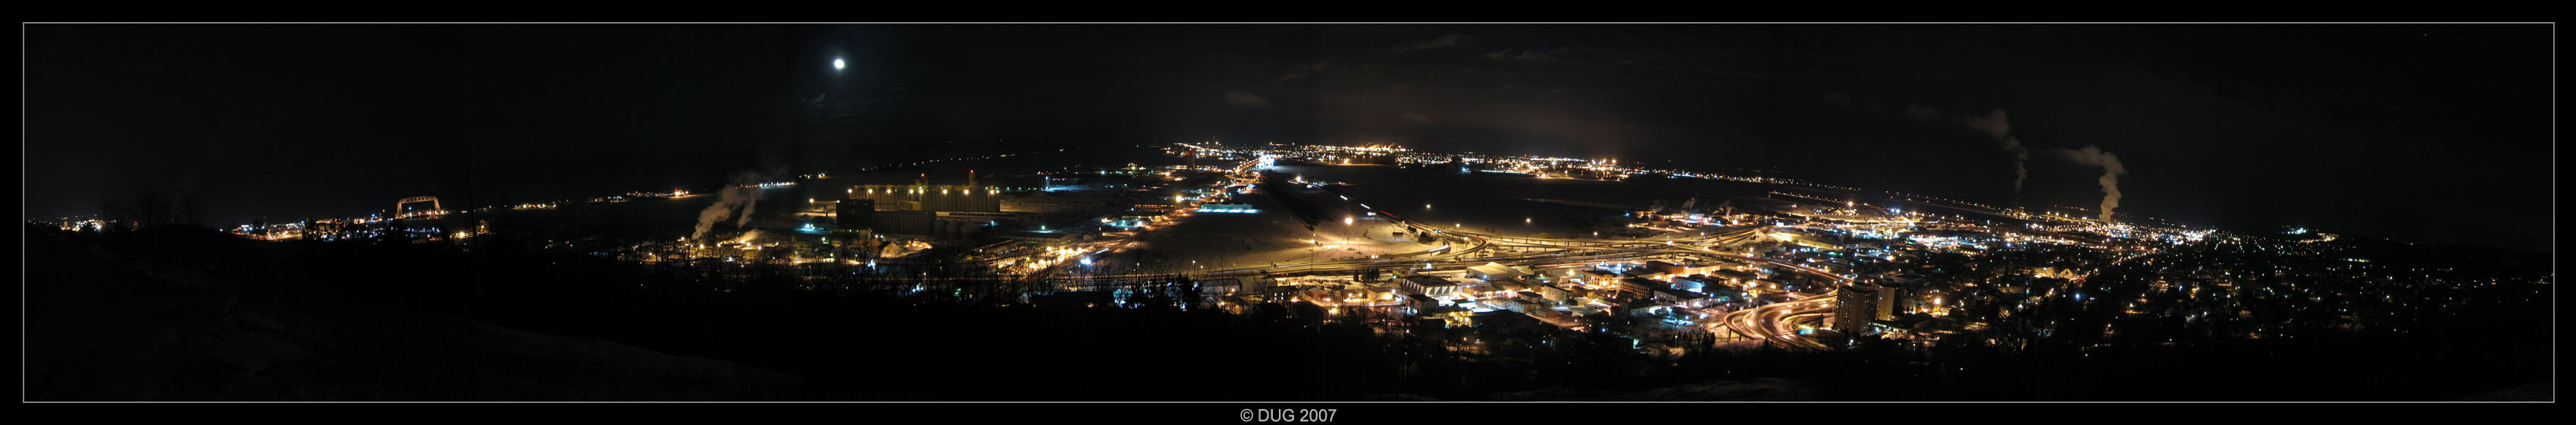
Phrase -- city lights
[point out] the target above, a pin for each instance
(999, 242)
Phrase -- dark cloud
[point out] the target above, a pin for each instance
(1839, 99)
(1526, 55)
(1923, 113)
(1992, 123)
(1304, 71)
(1445, 41)
(1245, 99)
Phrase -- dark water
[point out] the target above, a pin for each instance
(951, 171)
(650, 219)
(1491, 201)
(1481, 201)
(672, 218)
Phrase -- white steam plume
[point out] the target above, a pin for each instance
(726, 201)
(2111, 171)
(742, 194)
(1993, 123)
(751, 199)
(2021, 156)
(1997, 125)
(1923, 113)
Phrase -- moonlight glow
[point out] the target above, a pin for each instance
(837, 65)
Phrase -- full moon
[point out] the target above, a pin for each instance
(837, 65)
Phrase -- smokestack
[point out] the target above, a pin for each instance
(2111, 171)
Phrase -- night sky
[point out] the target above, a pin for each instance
(2423, 133)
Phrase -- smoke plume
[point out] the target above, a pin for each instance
(2111, 171)
(1923, 113)
(1995, 124)
(751, 199)
(744, 194)
(1245, 99)
(1839, 99)
(2021, 156)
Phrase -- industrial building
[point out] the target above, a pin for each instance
(1495, 272)
(1433, 286)
(923, 196)
(943, 211)
(854, 215)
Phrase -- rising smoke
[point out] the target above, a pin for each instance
(1922, 113)
(1995, 124)
(744, 194)
(2111, 171)
(2021, 157)
(1999, 127)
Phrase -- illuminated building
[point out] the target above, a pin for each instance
(953, 211)
(1856, 306)
(1432, 286)
(1664, 268)
(417, 206)
(1555, 294)
(1736, 277)
(1227, 208)
(1694, 283)
(1639, 287)
(1494, 272)
(923, 196)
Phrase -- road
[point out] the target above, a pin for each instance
(1471, 248)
